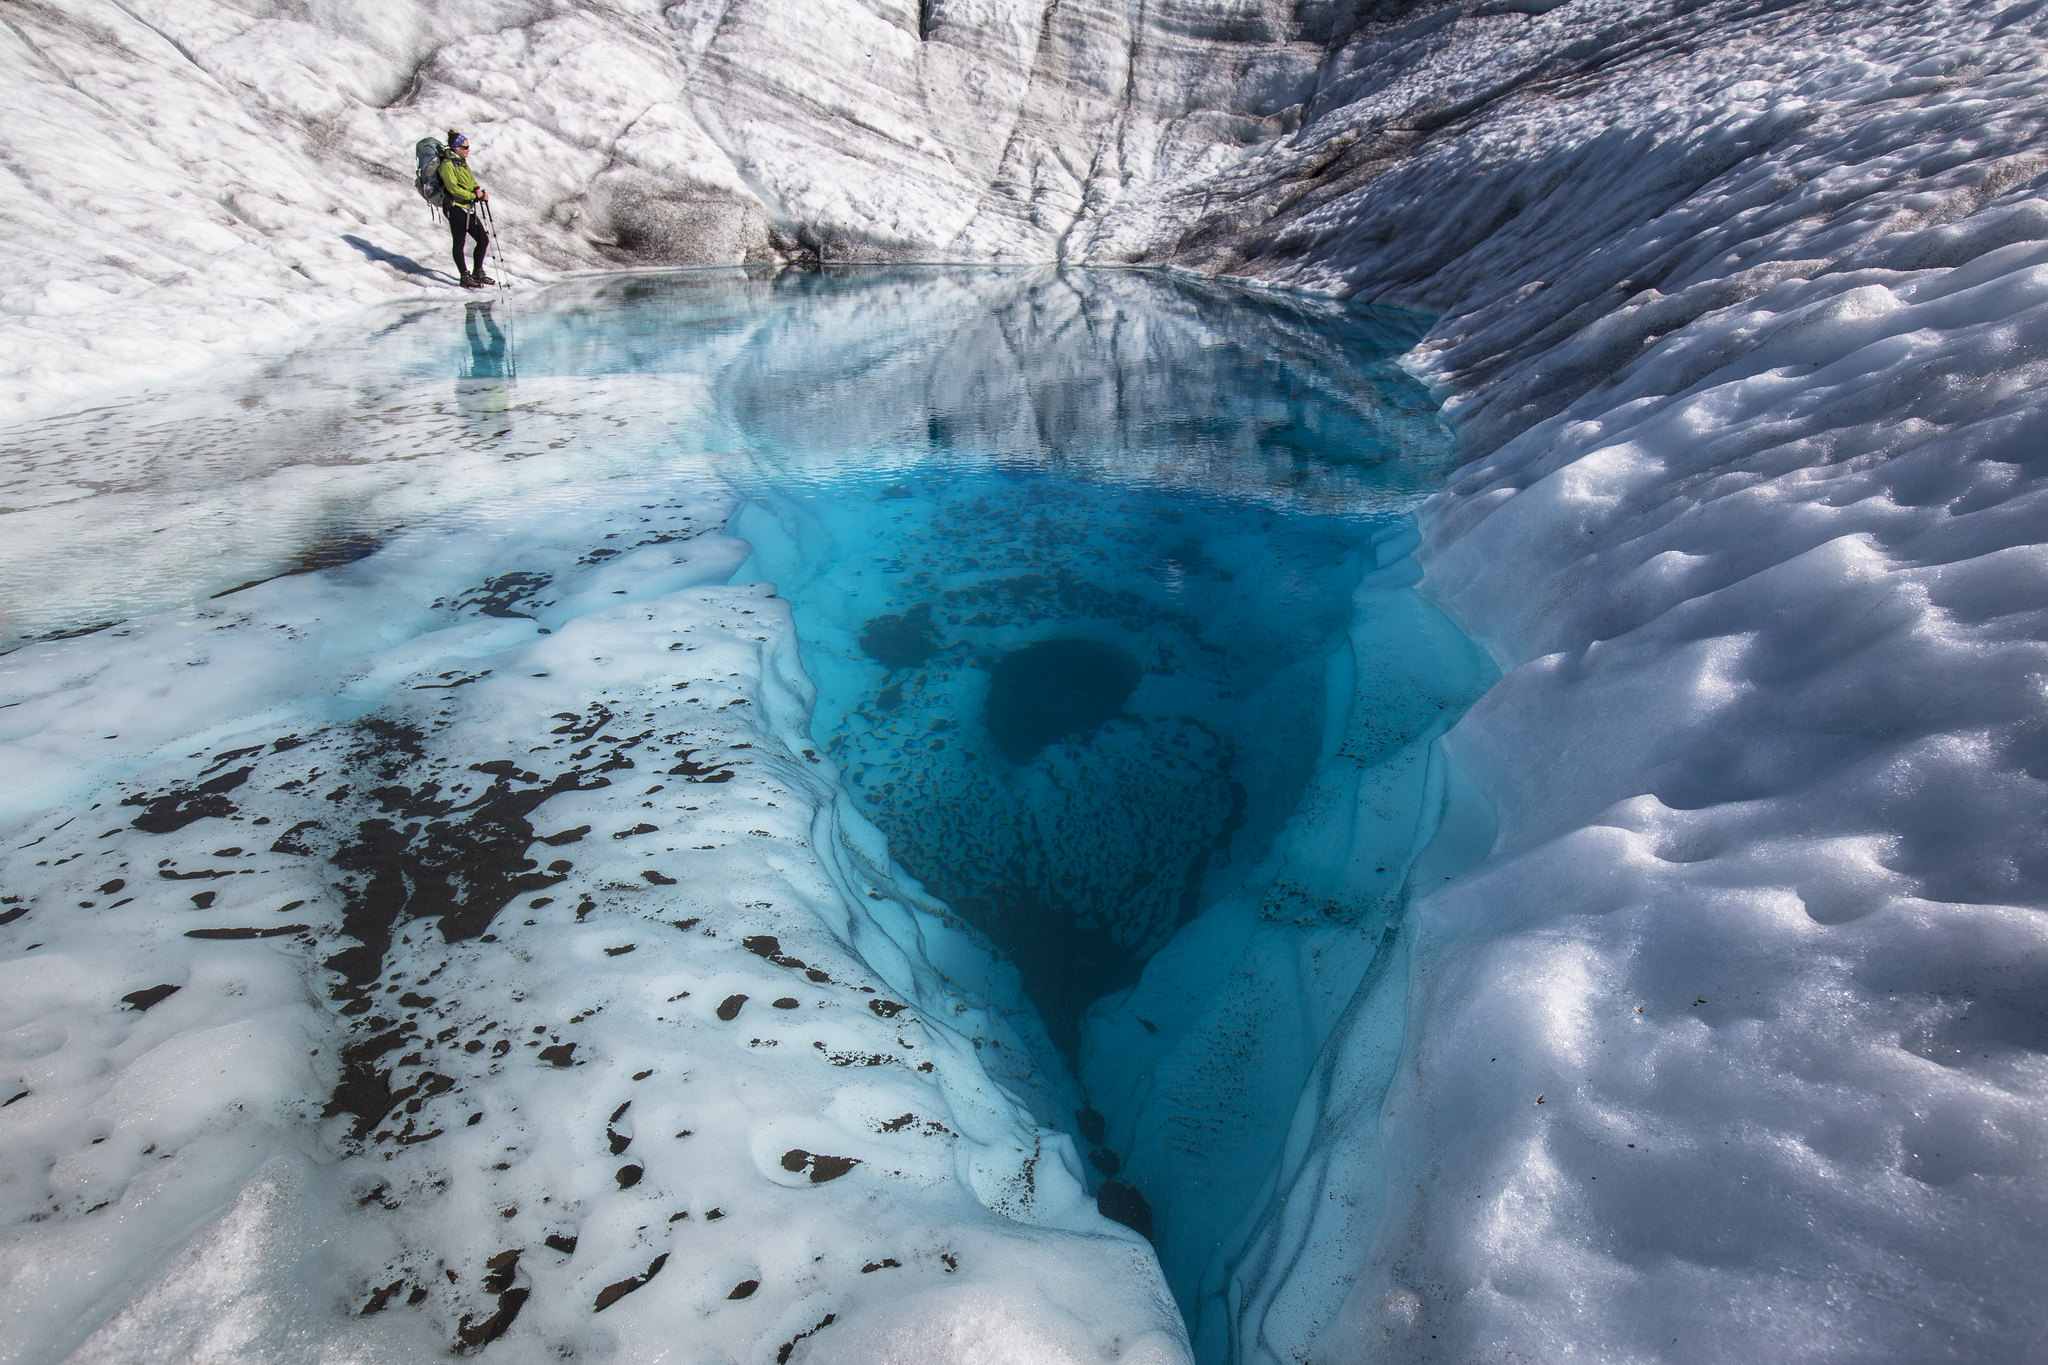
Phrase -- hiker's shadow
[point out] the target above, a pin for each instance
(405, 265)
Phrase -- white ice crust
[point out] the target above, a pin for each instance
(1733, 1048)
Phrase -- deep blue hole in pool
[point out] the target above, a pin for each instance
(1054, 690)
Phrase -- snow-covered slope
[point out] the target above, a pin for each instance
(1733, 1048)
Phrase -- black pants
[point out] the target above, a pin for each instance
(465, 223)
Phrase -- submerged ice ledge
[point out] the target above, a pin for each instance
(600, 1114)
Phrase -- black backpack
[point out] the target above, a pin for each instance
(427, 154)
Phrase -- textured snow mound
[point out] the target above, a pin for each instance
(1734, 1047)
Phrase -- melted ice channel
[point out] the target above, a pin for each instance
(757, 806)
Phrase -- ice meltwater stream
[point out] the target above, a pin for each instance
(1104, 616)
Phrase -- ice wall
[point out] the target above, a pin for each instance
(183, 175)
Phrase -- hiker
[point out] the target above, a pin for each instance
(463, 222)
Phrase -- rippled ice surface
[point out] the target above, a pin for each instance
(1102, 584)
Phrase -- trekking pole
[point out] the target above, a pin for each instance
(491, 222)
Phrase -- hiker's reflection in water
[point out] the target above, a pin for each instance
(483, 390)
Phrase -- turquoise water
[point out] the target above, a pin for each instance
(1105, 582)
(1068, 569)
(1103, 579)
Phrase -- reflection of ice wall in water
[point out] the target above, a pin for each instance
(1150, 377)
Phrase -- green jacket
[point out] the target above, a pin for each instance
(457, 180)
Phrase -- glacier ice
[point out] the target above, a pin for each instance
(1745, 373)
(1736, 322)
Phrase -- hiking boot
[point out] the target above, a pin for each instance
(469, 281)
(482, 279)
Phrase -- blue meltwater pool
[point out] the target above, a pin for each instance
(1104, 610)
(1104, 582)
